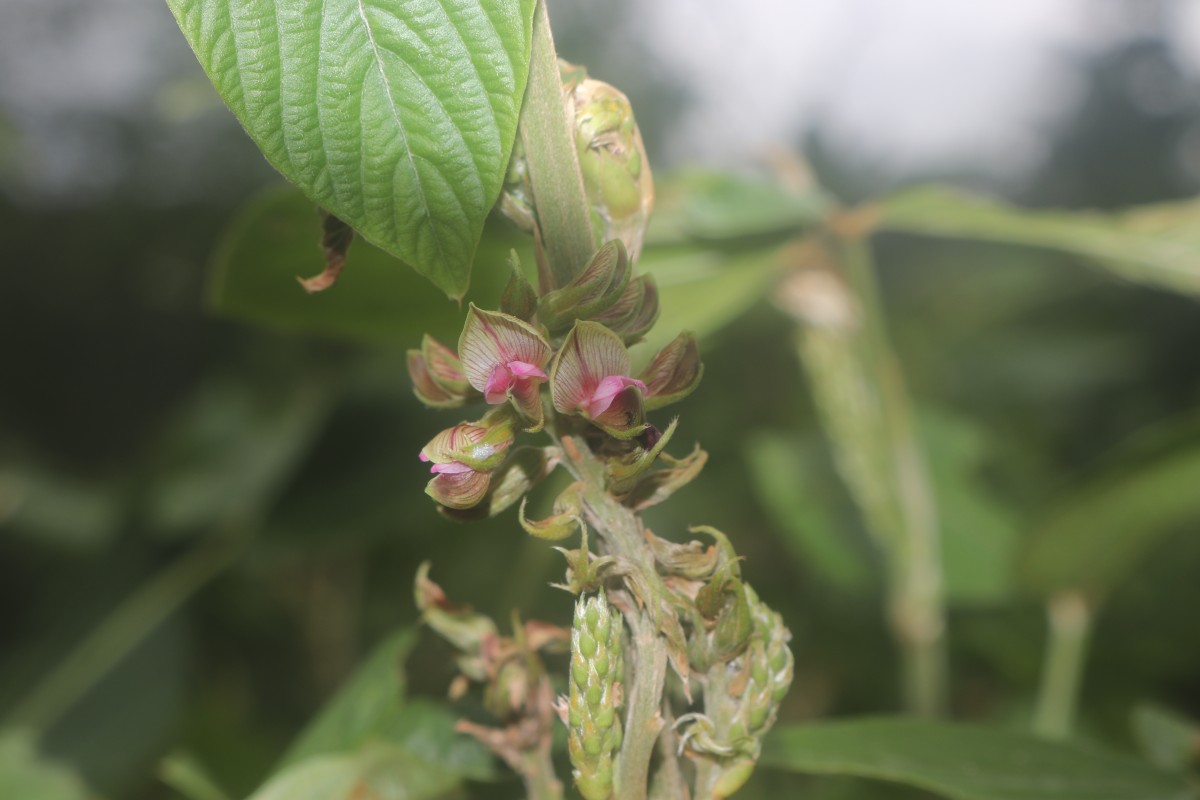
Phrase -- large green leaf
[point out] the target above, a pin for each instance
(1094, 536)
(397, 117)
(1157, 244)
(968, 762)
(275, 238)
(364, 707)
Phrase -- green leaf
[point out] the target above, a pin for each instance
(1168, 739)
(230, 451)
(26, 775)
(377, 771)
(979, 536)
(703, 290)
(703, 204)
(788, 484)
(1157, 244)
(968, 762)
(1094, 537)
(277, 236)
(399, 118)
(366, 706)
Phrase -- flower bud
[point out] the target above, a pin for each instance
(599, 287)
(612, 158)
(594, 699)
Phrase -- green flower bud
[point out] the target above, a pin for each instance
(616, 174)
(612, 158)
(594, 725)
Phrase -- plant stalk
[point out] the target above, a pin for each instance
(546, 128)
(1070, 623)
(620, 532)
(540, 781)
(916, 607)
(864, 409)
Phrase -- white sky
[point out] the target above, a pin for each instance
(905, 86)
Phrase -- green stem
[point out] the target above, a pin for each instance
(620, 531)
(540, 780)
(1070, 623)
(864, 408)
(547, 133)
(118, 633)
(916, 609)
(669, 782)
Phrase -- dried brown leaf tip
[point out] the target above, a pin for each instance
(336, 237)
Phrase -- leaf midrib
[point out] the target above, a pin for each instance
(408, 153)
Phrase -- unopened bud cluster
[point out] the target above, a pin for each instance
(594, 699)
(612, 158)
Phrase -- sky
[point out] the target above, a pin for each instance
(903, 87)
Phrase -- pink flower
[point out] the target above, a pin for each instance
(504, 358)
(462, 458)
(590, 377)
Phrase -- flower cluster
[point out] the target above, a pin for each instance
(574, 340)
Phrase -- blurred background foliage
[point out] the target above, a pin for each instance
(210, 505)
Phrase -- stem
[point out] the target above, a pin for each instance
(863, 406)
(546, 128)
(916, 610)
(621, 534)
(669, 783)
(118, 633)
(1070, 623)
(540, 780)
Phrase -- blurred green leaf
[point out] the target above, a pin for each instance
(61, 510)
(368, 704)
(188, 777)
(789, 486)
(1156, 244)
(277, 237)
(979, 536)
(1168, 739)
(1094, 537)
(427, 730)
(398, 118)
(705, 204)
(24, 775)
(230, 450)
(968, 762)
(376, 770)
(703, 290)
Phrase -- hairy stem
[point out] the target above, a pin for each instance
(546, 130)
(916, 606)
(864, 409)
(1070, 623)
(621, 535)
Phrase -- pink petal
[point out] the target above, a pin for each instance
(423, 457)
(451, 468)
(608, 389)
(496, 389)
(525, 370)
